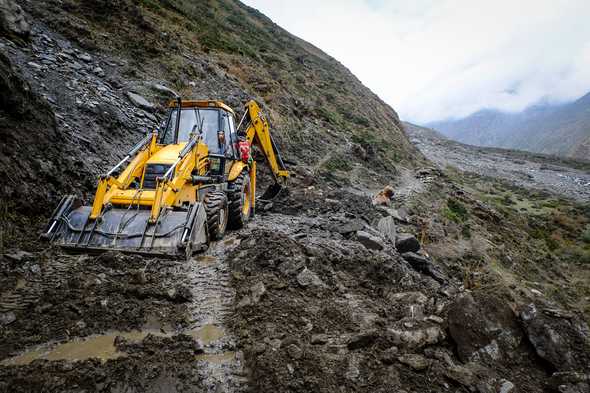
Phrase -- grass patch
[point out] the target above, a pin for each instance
(455, 211)
(338, 162)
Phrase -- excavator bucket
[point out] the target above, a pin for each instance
(272, 192)
(175, 234)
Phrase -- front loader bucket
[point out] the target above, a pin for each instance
(175, 234)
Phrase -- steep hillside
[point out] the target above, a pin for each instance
(560, 130)
(86, 56)
(458, 283)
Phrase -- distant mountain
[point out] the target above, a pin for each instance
(551, 129)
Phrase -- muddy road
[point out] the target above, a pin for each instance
(118, 323)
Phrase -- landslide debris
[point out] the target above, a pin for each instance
(323, 291)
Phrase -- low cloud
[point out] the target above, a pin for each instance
(435, 59)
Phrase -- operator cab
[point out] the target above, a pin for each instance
(212, 119)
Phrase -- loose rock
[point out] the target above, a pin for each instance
(483, 327)
(369, 241)
(415, 361)
(7, 318)
(416, 338)
(387, 227)
(407, 243)
(140, 102)
(257, 290)
(308, 278)
(424, 265)
(564, 342)
(12, 19)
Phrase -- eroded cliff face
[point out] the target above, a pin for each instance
(323, 291)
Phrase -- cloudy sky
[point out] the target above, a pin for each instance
(435, 59)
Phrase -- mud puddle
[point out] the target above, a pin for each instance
(103, 346)
(100, 347)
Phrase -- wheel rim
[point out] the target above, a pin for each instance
(222, 220)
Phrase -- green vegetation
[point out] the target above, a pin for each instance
(455, 211)
(586, 234)
(338, 161)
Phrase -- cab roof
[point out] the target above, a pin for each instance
(201, 104)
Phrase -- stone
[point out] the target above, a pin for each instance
(140, 102)
(257, 290)
(484, 328)
(406, 243)
(387, 228)
(408, 298)
(435, 319)
(163, 90)
(570, 382)
(562, 341)
(308, 278)
(18, 256)
(369, 241)
(460, 374)
(6, 318)
(424, 265)
(319, 339)
(416, 337)
(99, 72)
(389, 355)
(294, 351)
(244, 302)
(348, 227)
(362, 340)
(506, 386)
(415, 361)
(12, 20)
(85, 57)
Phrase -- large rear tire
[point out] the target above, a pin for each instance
(240, 202)
(216, 208)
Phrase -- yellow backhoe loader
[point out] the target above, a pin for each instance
(178, 188)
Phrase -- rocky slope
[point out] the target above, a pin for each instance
(562, 130)
(448, 287)
(555, 175)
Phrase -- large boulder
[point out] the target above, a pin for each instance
(424, 265)
(484, 328)
(407, 243)
(348, 227)
(140, 102)
(559, 337)
(369, 241)
(12, 20)
(417, 336)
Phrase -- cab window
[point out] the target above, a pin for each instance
(190, 121)
(230, 137)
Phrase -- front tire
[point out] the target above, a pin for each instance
(216, 208)
(240, 201)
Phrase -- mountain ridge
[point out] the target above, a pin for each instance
(562, 129)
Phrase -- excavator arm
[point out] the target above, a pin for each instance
(258, 133)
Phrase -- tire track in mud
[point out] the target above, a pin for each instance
(209, 279)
